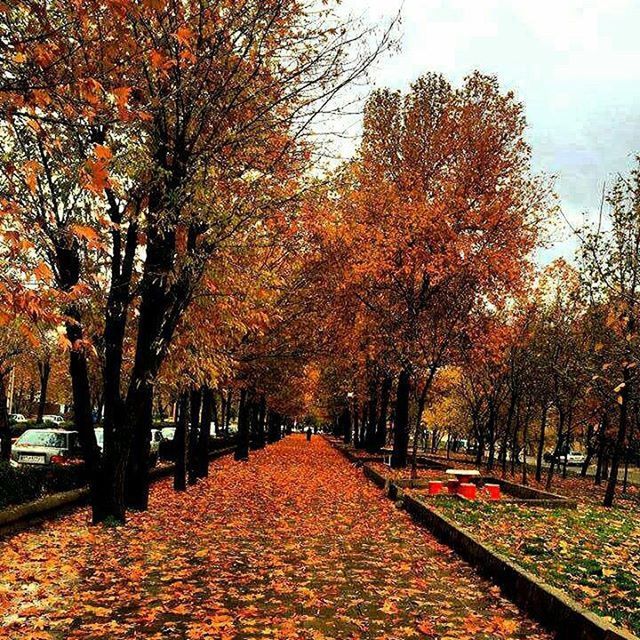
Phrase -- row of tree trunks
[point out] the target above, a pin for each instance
(258, 416)
(381, 427)
(274, 428)
(370, 417)
(365, 424)
(256, 424)
(193, 430)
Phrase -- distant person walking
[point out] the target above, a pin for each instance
(309, 432)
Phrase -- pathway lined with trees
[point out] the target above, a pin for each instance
(294, 543)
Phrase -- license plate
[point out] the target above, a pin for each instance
(31, 459)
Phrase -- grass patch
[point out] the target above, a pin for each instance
(592, 553)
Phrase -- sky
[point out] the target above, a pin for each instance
(574, 64)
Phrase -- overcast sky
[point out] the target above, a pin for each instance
(575, 65)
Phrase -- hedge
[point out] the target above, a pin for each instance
(24, 484)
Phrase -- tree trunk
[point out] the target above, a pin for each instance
(139, 420)
(348, 428)
(194, 465)
(242, 446)
(180, 444)
(165, 295)
(228, 412)
(261, 438)
(507, 432)
(5, 429)
(419, 412)
(480, 452)
(371, 435)
(491, 427)
(205, 428)
(401, 426)
(590, 451)
(602, 440)
(223, 412)
(525, 444)
(381, 430)
(568, 444)
(620, 439)
(82, 417)
(274, 427)
(558, 449)
(117, 432)
(214, 416)
(627, 448)
(44, 370)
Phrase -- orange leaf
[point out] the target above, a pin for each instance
(42, 272)
(103, 152)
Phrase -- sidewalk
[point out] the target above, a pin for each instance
(293, 544)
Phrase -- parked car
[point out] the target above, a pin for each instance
(16, 418)
(154, 450)
(46, 447)
(575, 458)
(572, 457)
(99, 431)
(52, 418)
(168, 433)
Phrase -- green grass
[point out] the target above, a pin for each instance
(592, 553)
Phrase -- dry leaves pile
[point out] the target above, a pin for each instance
(293, 544)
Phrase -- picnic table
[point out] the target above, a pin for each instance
(463, 475)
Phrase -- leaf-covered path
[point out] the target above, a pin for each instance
(293, 544)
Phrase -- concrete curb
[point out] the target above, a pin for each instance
(550, 606)
(53, 502)
(22, 515)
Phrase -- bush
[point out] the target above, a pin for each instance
(19, 485)
(25, 484)
(65, 478)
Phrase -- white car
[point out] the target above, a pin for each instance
(46, 447)
(575, 457)
(52, 418)
(168, 433)
(17, 418)
(154, 449)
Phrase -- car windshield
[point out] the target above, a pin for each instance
(42, 439)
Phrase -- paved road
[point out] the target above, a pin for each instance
(293, 544)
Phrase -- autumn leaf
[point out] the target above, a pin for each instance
(43, 272)
(97, 175)
(184, 35)
(102, 152)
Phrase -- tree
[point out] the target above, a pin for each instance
(442, 195)
(185, 124)
(611, 261)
